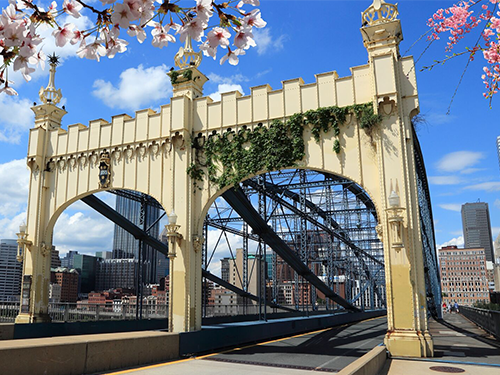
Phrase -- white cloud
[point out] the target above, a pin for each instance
(266, 41)
(16, 117)
(497, 203)
(471, 170)
(138, 87)
(445, 180)
(495, 231)
(14, 189)
(225, 87)
(457, 241)
(222, 249)
(459, 160)
(485, 186)
(83, 232)
(235, 78)
(457, 207)
(9, 226)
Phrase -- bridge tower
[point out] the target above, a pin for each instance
(153, 152)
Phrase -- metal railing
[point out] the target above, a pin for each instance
(72, 312)
(489, 320)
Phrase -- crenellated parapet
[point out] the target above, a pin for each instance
(187, 117)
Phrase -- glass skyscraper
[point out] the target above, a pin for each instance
(125, 246)
(477, 228)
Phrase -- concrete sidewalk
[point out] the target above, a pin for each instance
(459, 347)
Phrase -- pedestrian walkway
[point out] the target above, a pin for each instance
(328, 350)
(459, 347)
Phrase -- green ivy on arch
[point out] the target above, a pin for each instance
(278, 146)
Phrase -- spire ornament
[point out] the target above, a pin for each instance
(186, 57)
(379, 12)
(49, 94)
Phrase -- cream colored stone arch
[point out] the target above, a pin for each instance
(151, 153)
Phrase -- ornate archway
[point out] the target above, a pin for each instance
(358, 127)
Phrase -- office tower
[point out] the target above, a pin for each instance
(116, 273)
(86, 265)
(477, 227)
(104, 254)
(55, 261)
(10, 271)
(67, 261)
(125, 246)
(463, 275)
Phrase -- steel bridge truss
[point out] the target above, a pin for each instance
(326, 222)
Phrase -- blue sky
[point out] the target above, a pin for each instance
(302, 38)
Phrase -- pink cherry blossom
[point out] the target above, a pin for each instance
(8, 90)
(193, 28)
(254, 19)
(204, 10)
(72, 7)
(122, 15)
(244, 39)
(138, 32)
(218, 37)
(93, 51)
(63, 34)
(232, 57)
(161, 37)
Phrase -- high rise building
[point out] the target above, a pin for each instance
(55, 261)
(463, 275)
(477, 228)
(104, 254)
(125, 246)
(116, 273)
(86, 265)
(67, 261)
(10, 271)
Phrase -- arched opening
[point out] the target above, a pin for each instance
(326, 221)
(105, 272)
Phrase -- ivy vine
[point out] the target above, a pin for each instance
(232, 156)
(187, 75)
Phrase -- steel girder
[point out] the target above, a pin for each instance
(272, 190)
(240, 203)
(140, 234)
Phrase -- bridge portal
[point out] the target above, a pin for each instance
(356, 127)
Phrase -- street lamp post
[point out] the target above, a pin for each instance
(174, 238)
(22, 242)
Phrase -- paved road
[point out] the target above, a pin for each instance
(328, 350)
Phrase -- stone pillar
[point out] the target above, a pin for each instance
(407, 333)
(185, 272)
(37, 251)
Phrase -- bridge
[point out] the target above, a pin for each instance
(326, 178)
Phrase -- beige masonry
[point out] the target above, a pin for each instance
(151, 152)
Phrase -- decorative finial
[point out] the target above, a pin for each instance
(379, 12)
(49, 94)
(186, 57)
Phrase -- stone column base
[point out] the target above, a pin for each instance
(33, 318)
(409, 344)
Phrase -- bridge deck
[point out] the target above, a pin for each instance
(459, 344)
(327, 350)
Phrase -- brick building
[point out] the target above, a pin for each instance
(463, 275)
(67, 279)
